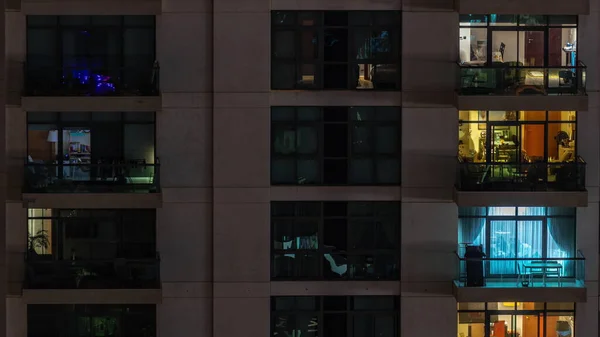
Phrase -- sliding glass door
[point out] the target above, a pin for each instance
(508, 324)
(510, 239)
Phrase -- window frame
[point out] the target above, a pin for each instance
(118, 217)
(543, 313)
(517, 27)
(319, 156)
(519, 123)
(516, 218)
(67, 315)
(319, 62)
(56, 121)
(58, 27)
(392, 215)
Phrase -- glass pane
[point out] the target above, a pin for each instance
(375, 76)
(532, 144)
(562, 116)
(471, 324)
(386, 139)
(308, 76)
(532, 20)
(284, 141)
(283, 18)
(308, 171)
(279, 114)
(560, 324)
(373, 44)
(473, 19)
(309, 45)
(283, 171)
(562, 46)
(473, 45)
(362, 113)
(566, 306)
(283, 75)
(387, 114)
(533, 45)
(503, 20)
(504, 46)
(361, 171)
(562, 20)
(388, 171)
(309, 114)
(503, 245)
(361, 235)
(530, 239)
(284, 44)
(362, 139)
(307, 140)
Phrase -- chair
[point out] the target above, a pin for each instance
(536, 271)
(553, 272)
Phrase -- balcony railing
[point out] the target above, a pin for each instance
(82, 81)
(122, 177)
(541, 176)
(521, 272)
(93, 274)
(509, 79)
(335, 266)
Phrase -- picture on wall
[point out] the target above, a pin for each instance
(481, 118)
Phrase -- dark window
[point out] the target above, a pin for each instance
(335, 145)
(84, 320)
(336, 50)
(91, 55)
(78, 248)
(335, 240)
(351, 316)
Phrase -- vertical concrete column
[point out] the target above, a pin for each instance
(241, 180)
(429, 49)
(588, 124)
(3, 178)
(184, 147)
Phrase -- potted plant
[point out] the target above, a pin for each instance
(38, 243)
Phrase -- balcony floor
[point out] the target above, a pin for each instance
(512, 283)
(570, 290)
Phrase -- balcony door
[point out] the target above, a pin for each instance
(510, 239)
(525, 324)
(518, 46)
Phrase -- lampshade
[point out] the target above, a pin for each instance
(53, 136)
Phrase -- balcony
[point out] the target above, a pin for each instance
(504, 86)
(355, 267)
(93, 274)
(131, 184)
(551, 7)
(91, 89)
(487, 279)
(521, 184)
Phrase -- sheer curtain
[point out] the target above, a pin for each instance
(561, 242)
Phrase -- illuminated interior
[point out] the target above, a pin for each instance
(516, 319)
(517, 136)
(521, 40)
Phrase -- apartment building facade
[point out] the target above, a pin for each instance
(301, 168)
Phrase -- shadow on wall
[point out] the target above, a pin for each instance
(429, 267)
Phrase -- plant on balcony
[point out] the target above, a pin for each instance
(38, 243)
